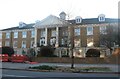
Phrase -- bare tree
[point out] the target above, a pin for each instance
(111, 38)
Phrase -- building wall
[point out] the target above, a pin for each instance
(83, 36)
(96, 36)
(19, 40)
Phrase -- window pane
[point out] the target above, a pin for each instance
(15, 44)
(0, 44)
(52, 41)
(15, 34)
(42, 41)
(23, 44)
(7, 35)
(32, 44)
(24, 34)
(89, 30)
(90, 42)
(53, 33)
(32, 33)
(77, 31)
(62, 41)
(42, 33)
(7, 43)
(65, 33)
(103, 30)
(0, 35)
(77, 43)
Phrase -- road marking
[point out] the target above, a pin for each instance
(6, 75)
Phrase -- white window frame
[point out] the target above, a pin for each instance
(0, 35)
(101, 18)
(52, 41)
(53, 34)
(42, 33)
(77, 42)
(78, 19)
(90, 32)
(7, 43)
(23, 44)
(77, 31)
(32, 33)
(15, 44)
(42, 41)
(15, 34)
(24, 34)
(103, 30)
(90, 42)
(62, 42)
(8, 35)
(0, 43)
(65, 33)
(32, 44)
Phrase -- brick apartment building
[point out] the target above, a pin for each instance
(81, 34)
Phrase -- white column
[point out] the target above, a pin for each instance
(57, 35)
(60, 53)
(35, 42)
(46, 32)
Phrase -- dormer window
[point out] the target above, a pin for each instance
(21, 24)
(62, 15)
(78, 19)
(101, 17)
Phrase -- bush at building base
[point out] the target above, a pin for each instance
(93, 53)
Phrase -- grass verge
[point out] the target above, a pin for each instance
(68, 69)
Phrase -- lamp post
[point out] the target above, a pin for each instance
(72, 62)
(71, 43)
(72, 56)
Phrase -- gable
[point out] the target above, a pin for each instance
(51, 21)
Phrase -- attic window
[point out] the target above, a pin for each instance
(101, 17)
(21, 24)
(78, 19)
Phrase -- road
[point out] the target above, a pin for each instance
(114, 68)
(22, 74)
(18, 74)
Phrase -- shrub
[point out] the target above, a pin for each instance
(54, 56)
(7, 50)
(31, 53)
(43, 67)
(93, 53)
(47, 51)
(65, 56)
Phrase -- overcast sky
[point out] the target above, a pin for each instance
(14, 11)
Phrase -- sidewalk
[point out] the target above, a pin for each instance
(24, 66)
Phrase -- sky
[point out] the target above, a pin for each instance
(14, 11)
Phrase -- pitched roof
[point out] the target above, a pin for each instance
(94, 21)
(51, 20)
(28, 26)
